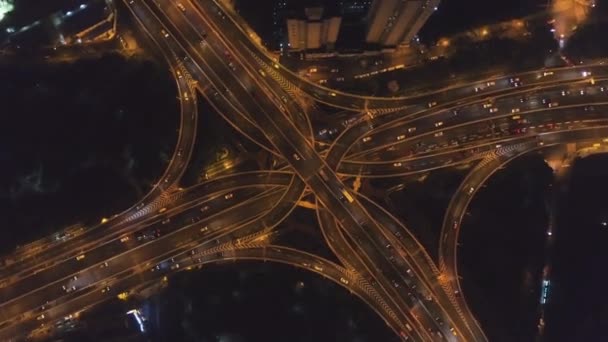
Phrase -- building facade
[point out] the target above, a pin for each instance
(396, 22)
(314, 32)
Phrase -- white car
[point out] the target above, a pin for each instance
(229, 196)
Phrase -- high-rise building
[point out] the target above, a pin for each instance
(354, 7)
(396, 22)
(279, 34)
(314, 32)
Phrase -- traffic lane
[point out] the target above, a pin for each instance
(200, 21)
(504, 101)
(374, 262)
(400, 118)
(190, 32)
(203, 192)
(344, 251)
(148, 18)
(420, 272)
(237, 90)
(497, 128)
(512, 106)
(145, 252)
(58, 276)
(303, 149)
(449, 157)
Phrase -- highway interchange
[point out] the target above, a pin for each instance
(484, 124)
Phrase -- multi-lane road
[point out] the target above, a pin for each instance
(209, 48)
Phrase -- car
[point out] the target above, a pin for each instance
(41, 317)
(366, 139)
(179, 152)
(401, 137)
(165, 221)
(262, 72)
(411, 129)
(164, 33)
(80, 257)
(490, 83)
(343, 281)
(439, 124)
(332, 94)
(340, 79)
(296, 156)
(471, 189)
(438, 134)
(397, 164)
(204, 208)
(69, 289)
(228, 196)
(487, 105)
(105, 289)
(204, 229)
(181, 7)
(104, 265)
(175, 266)
(553, 105)
(493, 110)
(515, 110)
(455, 225)
(431, 104)
(318, 268)
(124, 239)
